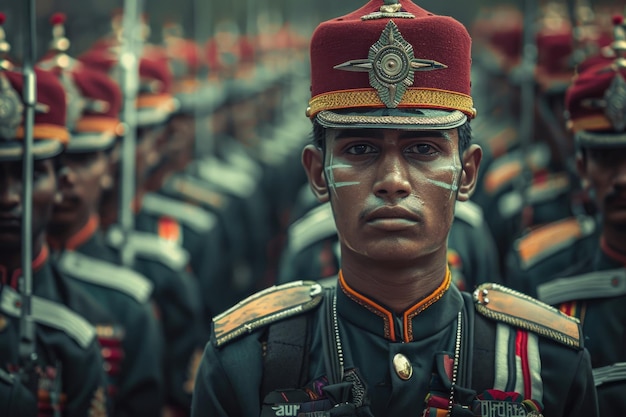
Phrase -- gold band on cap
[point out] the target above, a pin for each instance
(596, 122)
(99, 124)
(413, 97)
(46, 131)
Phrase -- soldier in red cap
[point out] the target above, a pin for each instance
(132, 345)
(578, 264)
(64, 373)
(391, 336)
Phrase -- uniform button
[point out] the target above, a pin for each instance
(402, 366)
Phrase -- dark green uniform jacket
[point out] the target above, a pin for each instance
(396, 365)
(68, 373)
(592, 288)
(177, 299)
(133, 347)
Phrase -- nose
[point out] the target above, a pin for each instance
(392, 178)
(67, 176)
(10, 192)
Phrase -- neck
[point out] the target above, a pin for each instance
(11, 258)
(73, 235)
(397, 287)
(613, 243)
(62, 232)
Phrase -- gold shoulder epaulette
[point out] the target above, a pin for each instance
(546, 240)
(266, 307)
(519, 310)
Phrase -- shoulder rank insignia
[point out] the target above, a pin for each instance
(316, 225)
(196, 191)
(193, 216)
(268, 306)
(105, 274)
(551, 238)
(469, 212)
(503, 304)
(51, 314)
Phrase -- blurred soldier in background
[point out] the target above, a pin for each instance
(162, 260)
(578, 264)
(64, 373)
(133, 348)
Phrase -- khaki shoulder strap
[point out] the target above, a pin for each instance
(266, 307)
(519, 310)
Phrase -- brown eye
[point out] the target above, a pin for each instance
(422, 149)
(360, 149)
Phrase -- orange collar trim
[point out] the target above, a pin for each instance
(375, 308)
(423, 305)
(387, 315)
(612, 253)
(79, 238)
(37, 264)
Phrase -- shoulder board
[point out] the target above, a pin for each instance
(502, 141)
(237, 183)
(51, 314)
(544, 241)
(597, 284)
(506, 169)
(550, 188)
(497, 177)
(150, 246)
(505, 305)
(538, 192)
(266, 307)
(469, 212)
(195, 190)
(192, 216)
(105, 274)
(317, 224)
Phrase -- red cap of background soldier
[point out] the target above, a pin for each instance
(49, 132)
(596, 100)
(391, 64)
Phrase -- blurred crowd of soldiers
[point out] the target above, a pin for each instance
(137, 245)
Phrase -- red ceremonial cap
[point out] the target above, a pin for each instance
(155, 102)
(49, 132)
(596, 100)
(94, 100)
(391, 64)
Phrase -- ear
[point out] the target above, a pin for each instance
(469, 174)
(313, 163)
(581, 168)
(106, 181)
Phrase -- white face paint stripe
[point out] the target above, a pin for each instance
(452, 187)
(346, 183)
(332, 184)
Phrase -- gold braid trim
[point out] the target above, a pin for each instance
(596, 122)
(413, 97)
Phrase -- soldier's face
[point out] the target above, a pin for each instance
(81, 180)
(603, 172)
(393, 191)
(11, 200)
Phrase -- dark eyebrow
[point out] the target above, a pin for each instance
(378, 134)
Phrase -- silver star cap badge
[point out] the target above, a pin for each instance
(391, 65)
(615, 99)
(11, 109)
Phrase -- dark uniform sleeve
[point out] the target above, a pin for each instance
(228, 380)
(141, 382)
(177, 297)
(580, 398)
(84, 382)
